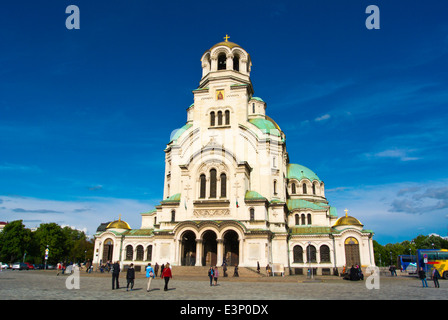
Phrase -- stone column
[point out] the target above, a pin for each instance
(220, 251)
(198, 252)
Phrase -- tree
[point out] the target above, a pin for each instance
(51, 235)
(14, 241)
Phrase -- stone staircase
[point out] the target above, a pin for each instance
(202, 272)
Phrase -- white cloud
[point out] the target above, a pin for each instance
(84, 214)
(400, 154)
(396, 212)
(322, 118)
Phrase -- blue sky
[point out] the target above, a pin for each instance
(86, 114)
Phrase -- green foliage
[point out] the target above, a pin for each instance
(14, 240)
(64, 244)
(388, 254)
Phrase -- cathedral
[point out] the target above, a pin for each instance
(231, 194)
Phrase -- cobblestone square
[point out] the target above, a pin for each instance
(45, 285)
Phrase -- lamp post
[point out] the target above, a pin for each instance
(46, 257)
(309, 259)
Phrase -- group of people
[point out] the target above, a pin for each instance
(213, 273)
(435, 275)
(354, 274)
(151, 273)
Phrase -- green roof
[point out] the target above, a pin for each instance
(257, 98)
(173, 198)
(299, 172)
(253, 195)
(265, 126)
(304, 204)
(180, 131)
(139, 232)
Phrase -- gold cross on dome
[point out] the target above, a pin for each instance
(226, 38)
(346, 212)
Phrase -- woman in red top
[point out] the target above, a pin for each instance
(167, 275)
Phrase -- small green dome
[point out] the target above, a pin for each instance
(299, 172)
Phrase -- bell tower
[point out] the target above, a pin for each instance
(226, 62)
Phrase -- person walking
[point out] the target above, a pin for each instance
(167, 275)
(150, 274)
(422, 276)
(215, 275)
(435, 277)
(130, 276)
(224, 269)
(156, 269)
(115, 275)
(210, 275)
(235, 271)
(161, 269)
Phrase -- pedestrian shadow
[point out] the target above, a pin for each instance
(170, 289)
(154, 289)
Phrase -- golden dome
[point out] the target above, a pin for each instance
(118, 224)
(348, 221)
(227, 44)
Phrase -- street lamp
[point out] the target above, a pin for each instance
(309, 258)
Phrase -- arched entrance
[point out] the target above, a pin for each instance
(188, 248)
(231, 248)
(210, 246)
(352, 252)
(108, 250)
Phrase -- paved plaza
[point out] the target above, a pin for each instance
(45, 285)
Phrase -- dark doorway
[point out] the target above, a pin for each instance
(210, 249)
(108, 250)
(188, 248)
(231, 248)
(352, 252)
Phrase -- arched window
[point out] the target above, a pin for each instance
(212, 118)
(293, 188)
(324, 254)
(227, 116)
(308, 217)
(303, 219)
(149, 253)
(253, 107)
(304, 188)
(219, 118)
(314, 188)
(173, 216)
(213, 183)
(202, 190)
(222, 61)
(140, 252)
(275, 186)
(297, 252)
(297, 218)
(223, 185)
(129, 252)
(311, 253)
(252, 214)
(236, 63)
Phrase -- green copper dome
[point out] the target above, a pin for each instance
(299, 172)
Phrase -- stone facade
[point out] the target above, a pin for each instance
(230, 192)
